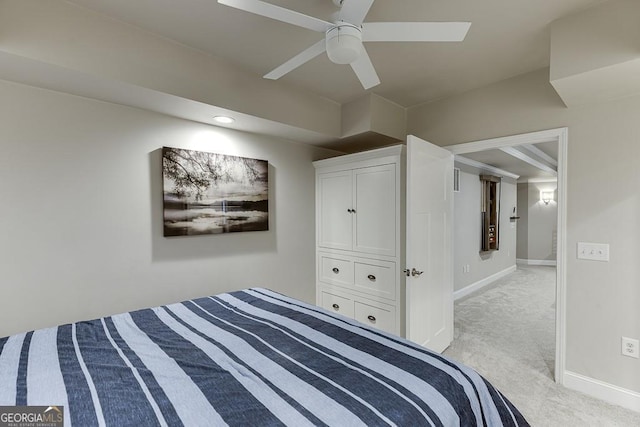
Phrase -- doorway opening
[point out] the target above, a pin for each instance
(526, 148)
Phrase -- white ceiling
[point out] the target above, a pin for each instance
(506, 162)
(507, 38)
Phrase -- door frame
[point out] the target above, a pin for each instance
(561, 136)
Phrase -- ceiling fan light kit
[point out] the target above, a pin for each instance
(344, 37)
(344, 43)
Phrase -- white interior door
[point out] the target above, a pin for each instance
(429, 249)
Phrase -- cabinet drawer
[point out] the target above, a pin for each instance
(337, 304)
(335, 270)
(376, 278)
(379, 317)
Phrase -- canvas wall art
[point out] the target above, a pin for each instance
(209, 193)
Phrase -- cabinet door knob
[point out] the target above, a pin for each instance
(350, 210)
(336, 307)
(371, 318)
(335, 270)
(371, 277)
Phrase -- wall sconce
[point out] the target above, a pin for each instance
(546, 197)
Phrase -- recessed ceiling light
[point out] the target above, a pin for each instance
(224, 119)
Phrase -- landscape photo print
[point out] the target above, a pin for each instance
(210, 193)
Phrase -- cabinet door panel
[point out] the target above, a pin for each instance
(375, 204)
(335, 228)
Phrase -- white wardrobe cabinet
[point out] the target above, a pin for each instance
(380, 214)
(358, 242)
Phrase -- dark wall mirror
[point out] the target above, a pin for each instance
(490, 212)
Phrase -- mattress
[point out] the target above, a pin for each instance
(245, 358)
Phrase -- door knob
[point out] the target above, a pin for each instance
(413, 272)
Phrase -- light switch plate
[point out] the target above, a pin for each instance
(593, 251)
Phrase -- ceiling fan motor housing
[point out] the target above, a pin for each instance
(344, 43)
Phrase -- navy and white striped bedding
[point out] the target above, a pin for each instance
(249, 358)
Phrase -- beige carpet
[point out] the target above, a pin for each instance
(506, 331)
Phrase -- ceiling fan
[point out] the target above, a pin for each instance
(344, 37)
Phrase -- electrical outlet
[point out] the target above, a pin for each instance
(630, 347)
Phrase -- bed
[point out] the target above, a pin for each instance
(246, 358)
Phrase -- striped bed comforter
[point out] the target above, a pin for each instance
(248, 358)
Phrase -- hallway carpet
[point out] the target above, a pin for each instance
(506, 331)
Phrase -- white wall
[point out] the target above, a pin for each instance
(467, 232)
(537, 226)
(81, 216)
(522, 224)
(71, 37)
(603, 204)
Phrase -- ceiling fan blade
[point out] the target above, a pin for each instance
(414, 31)
(354, 11)
(279, 13)
(298, 60)
(365, 71)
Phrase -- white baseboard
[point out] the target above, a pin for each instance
(604, 391)
(550, 262)
(482, 283)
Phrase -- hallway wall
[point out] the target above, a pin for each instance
(538, 224)
(467, 232)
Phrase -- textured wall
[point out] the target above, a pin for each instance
(81, 216)
(467, 232)
(603, 204)
(538, 223)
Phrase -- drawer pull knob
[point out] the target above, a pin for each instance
(371, 318)
(336, 307)
(335, 270)
(371, 277)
